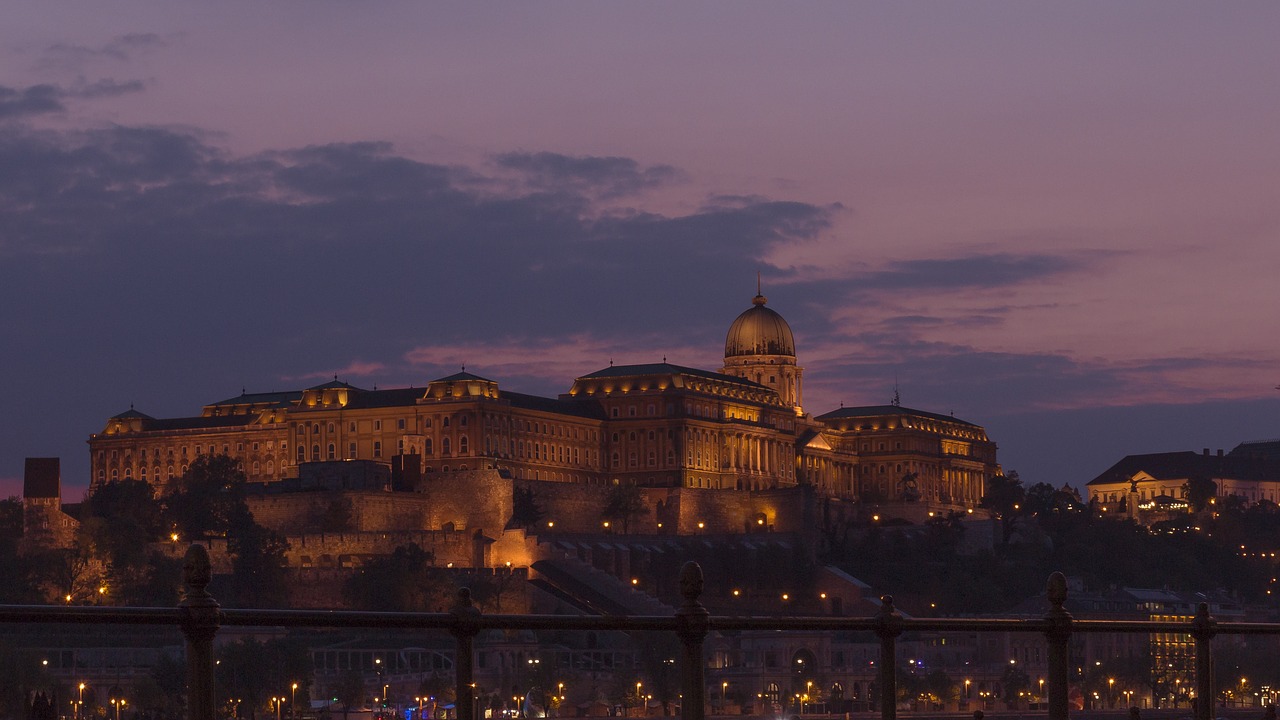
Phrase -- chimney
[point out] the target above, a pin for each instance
(1219, 452)
(1206, 452)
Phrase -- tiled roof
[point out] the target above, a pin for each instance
(131, 414)
(334, 384)
(394, 397)
(618, 371)
(464, 375)
(552, 405)
(281, 399)
(1187, 464)
(882, 410)
(198, 423)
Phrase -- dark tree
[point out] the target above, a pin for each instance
(407, 580)
(1004, 497)
(1200, 490)
(128, 517)
(622, 503)
(526, 511)
(204, 501)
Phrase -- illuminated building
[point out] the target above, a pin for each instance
(1156, 485)
(656, 425)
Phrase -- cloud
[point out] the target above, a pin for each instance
(67, 57)
(34, 100)
(598, 177)
(48, 99)
(356, 368)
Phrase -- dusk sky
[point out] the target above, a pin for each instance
(1059, 221)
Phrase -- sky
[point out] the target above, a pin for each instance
(1059, 221)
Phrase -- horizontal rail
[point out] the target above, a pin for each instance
(199, 616)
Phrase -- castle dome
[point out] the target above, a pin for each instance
(759, 331)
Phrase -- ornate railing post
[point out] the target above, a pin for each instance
(1203, 628)
(464, 631)
(691, 626)
(889, 627)
(1059, 638)
(200, 620)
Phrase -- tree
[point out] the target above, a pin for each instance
(1199, 490)
(407, 580)
(623, 502)
(526, 512)
(207, 498)
(1004, 498)
(349, 690)
(122, 517)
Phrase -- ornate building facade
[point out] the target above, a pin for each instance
(742, 428)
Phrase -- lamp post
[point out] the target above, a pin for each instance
(80, 702)
(293, 698)
(1111, 686)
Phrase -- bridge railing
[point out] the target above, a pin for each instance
(200, 617)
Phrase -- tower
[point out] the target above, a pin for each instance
(760, 347)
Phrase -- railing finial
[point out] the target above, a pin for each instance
(1057, 590)
(197, 573)
(691, 583)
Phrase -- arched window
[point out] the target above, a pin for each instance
(444, 445)
(426, 446)
(351, 450)
(142, 473)
(271, 467)
(462, 445)
(257, 468)
(115, 475)
(315, 452)
(302, 453)
(128, 473)
(333, 452)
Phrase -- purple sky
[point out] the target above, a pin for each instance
(1061, 221)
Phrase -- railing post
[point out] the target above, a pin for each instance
(200, 620)
(1203, 628)
(691, 626)
(465, 629)
(1059, 638)
(889, 627)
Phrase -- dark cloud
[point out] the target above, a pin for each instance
(73, 58)
(34, 100)
(46, 99)
(599, 177)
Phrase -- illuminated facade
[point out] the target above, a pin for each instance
(1157, 485)
(656, 425)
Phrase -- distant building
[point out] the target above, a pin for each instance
(44, 521)
(1157, 484)
(655, 425)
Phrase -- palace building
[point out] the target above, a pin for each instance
(742, 428)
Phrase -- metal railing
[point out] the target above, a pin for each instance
(199, 616)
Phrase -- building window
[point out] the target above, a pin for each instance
(315, 452)
(426, 446)
(257, 468)
(331, 427)
(377, 448)
(444, 422)
(444, 445)
(400, 424)
(377, 424)
(613, 412)
(302, 454)
(462, 421)
(351, 450)
(462, 445)
(271, 468)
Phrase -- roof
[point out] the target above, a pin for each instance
(464, 375)
(619, 371)
(195, 423)
(882, 410)
(131, 414)
(1187, 464)
(42, 478)
(283, 398)
(335, 384)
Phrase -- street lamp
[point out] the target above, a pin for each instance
(81, 701)
(724, 688)
(293, 698)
